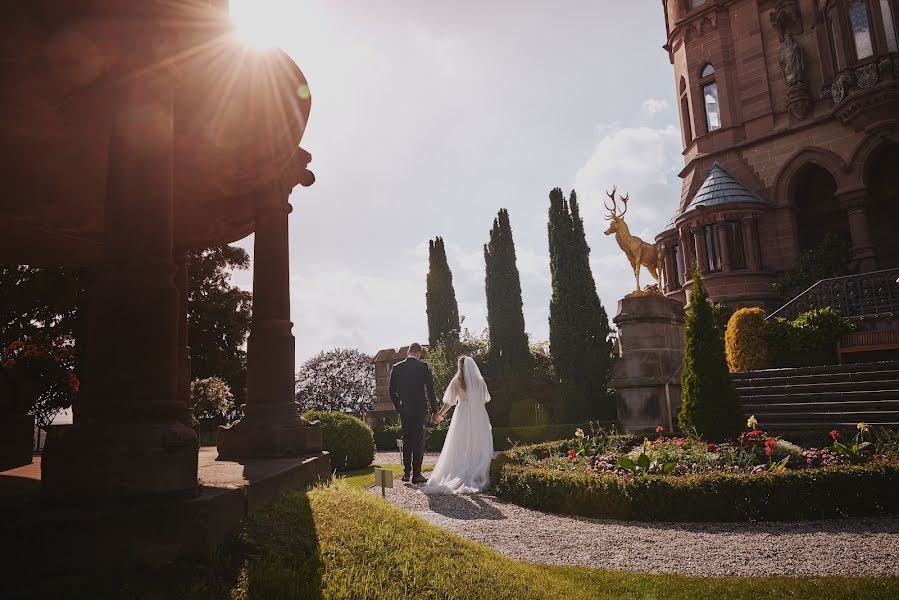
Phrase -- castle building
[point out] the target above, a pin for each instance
(790, 117)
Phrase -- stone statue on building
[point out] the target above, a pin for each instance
(792, 61)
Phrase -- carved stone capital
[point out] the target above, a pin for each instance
(786, 16)
(853, 199)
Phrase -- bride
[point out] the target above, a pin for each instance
(464, 463)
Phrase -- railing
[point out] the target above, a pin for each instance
(859, 296)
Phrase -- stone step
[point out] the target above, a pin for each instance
(774, 426)
(890, 365)
(854, 406)
(827, 388)
(861, 376)
(852, 418)
(810, 397)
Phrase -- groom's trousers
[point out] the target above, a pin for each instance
(413, 443)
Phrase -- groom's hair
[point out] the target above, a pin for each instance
(415, 348)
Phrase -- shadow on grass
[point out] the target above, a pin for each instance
(275, 555)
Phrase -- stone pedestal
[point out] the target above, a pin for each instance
(651, 350)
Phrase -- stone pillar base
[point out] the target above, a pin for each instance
(93, 461)
(651, 342)
(269, 432)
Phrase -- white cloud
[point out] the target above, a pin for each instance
(654, 106)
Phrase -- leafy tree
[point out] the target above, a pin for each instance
(578, 323)
(51, 303)
(211, 399)
(443, 311)
(340, 380)
(218, 318)
(509, 357)
(709, 401)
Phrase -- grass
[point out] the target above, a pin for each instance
(339, 542)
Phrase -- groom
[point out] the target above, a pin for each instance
(409, 380)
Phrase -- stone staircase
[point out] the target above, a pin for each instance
(822, 397)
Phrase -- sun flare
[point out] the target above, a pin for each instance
(264, 23)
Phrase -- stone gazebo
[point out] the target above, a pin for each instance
(132, 132)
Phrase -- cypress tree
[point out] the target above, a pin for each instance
(710, 405)
(443, 311)
(578, 323)
(509, 357)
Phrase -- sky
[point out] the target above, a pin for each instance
(429, 116)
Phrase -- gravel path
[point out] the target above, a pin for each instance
(396, 458)
(868, 546)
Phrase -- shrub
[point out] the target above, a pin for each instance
(745, 341)
(710, 405)
(831, 258)
(349, 441)
(212, 399)
(503, 437)
(807, 340)
(826, 493)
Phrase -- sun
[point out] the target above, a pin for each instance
(264, 23)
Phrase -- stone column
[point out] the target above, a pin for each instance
(854, 200)
(271, 426)
(701, 254)
(185, 372)
(749, 243)
(721, 226)
(130, 439)
(665, 269)
(687, 250)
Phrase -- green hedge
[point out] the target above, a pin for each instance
(799, 494)
(386, 436)
(347, 439)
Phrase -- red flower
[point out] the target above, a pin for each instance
(15, 345)
(711, 447)
(894, 459)
(659, 429)
(74, 383)
(770, 443)
(835, 434)
(755, 432)
(9, 363)
(571, 454)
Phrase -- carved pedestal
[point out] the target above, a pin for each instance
(651, 347)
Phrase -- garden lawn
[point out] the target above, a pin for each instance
(338, 541)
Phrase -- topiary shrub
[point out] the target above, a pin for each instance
(745, 342)
(808, 340)
(349, 441)
(710, 406)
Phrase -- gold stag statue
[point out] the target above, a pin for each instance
(638, 252)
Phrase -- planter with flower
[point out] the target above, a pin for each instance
(754, 476)
(37, 381)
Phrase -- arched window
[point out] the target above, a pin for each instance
(861, 29)
(686, 123)
(710, 98)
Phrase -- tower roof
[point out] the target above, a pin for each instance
(720, 187)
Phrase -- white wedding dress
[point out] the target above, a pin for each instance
(464, 463)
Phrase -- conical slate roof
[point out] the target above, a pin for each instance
(720, 187)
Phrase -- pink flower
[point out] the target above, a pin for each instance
(835, 434)
(571, 454)
(659, 429)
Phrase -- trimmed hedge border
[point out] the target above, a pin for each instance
(844, 491)
(347, 439)
(386, 436)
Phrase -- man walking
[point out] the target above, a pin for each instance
(409, 380)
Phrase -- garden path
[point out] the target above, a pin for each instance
(858, 546)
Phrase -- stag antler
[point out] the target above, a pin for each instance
(624, 200)
(614, 208)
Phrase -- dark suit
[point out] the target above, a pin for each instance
(409, 380)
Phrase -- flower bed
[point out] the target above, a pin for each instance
(754, 477)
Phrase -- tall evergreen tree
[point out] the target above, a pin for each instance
(443, 311)
(709, 402)
(509, 354)
(578, 323)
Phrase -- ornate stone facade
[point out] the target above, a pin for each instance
(798, 102)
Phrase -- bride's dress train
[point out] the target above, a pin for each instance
(464, 463)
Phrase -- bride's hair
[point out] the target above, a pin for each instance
(460, 372)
